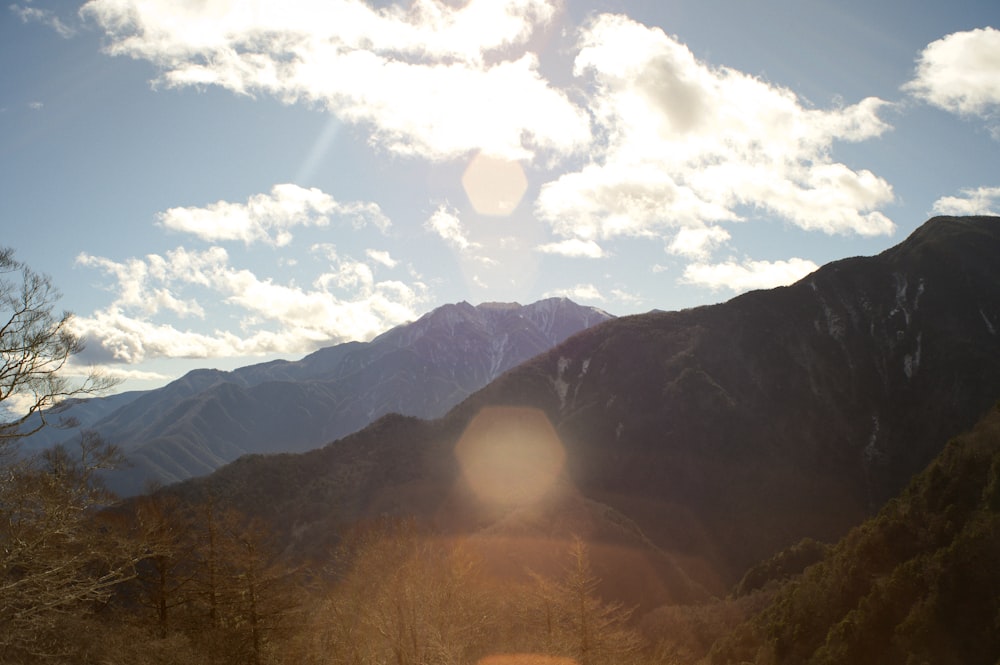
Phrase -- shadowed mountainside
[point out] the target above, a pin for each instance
(720, 434)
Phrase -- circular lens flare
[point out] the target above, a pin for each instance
(510, 455)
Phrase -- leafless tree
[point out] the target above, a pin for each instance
(35, 346)
(59, 557)
(575, 622)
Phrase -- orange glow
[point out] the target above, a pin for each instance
(525, 659)
(510, 455)
(494, 186)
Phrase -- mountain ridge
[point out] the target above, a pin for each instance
(210, 417)
(728, 432)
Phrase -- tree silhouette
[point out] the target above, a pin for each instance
(35, 346)
(59, 559)
(575, 621)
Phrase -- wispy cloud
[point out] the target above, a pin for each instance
(443, 64)
(960, 73)
(382, 258)
(580, 292)
(689, 146)
(747, 275)
(972, 201)
(573, 247)
(446, 223)
(344, 303)
(269, 217)
(119, 372)
(45, 17)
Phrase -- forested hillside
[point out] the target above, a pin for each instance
(916, 584)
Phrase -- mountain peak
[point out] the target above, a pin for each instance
(209, 417)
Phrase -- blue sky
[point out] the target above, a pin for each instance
(216, 183)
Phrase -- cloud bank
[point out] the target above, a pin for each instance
(687, 146)
(446, 66)
(646, 141)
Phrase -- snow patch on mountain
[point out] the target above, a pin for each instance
(911, 362)
(989, 324)
(560, 383)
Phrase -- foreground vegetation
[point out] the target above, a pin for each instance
(168, 580)
(160, 581)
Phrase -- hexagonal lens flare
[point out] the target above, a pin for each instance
(494, 186)
(510, 455)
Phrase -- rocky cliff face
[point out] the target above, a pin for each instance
(208, 417)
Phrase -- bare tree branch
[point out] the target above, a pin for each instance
(35, 346)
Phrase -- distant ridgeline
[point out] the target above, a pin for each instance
(208, 418)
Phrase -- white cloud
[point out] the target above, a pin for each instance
(446, 223)
(580, 293)
(748, 275)
(689, 146)
(343, 304)
(698, 242)
(625, 297)
(269, 217)
(438, 62)
(325, 249)
(573, 247)
(382, 258)
(961, 73)
(979, 201)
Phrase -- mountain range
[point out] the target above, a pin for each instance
(208, 418)
(684, 446)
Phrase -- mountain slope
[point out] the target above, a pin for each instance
(726, 433)
(210, 417)
(916, 584)
(784, 413)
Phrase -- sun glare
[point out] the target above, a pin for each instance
(510, 455)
